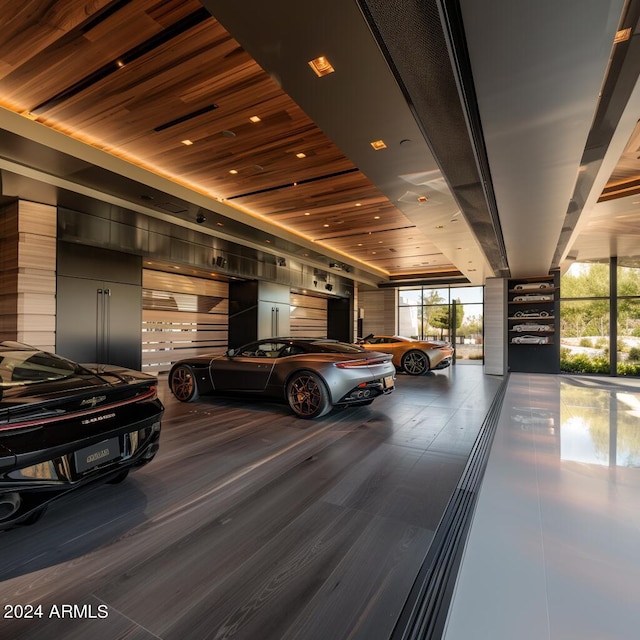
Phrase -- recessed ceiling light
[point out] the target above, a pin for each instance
(187, 143)
(120, 64)
(220, 224)
(301, 155)
(622, 35)
(358, 204)
(233, 171)
(422, 198)
(321, 66)
(359, 244)
(376, 217)
(378, 144)
(268, 241)
(325, 225)
(255, 118)
(379, 241)
(306, 213)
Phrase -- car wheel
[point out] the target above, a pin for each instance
(183, 384)
(415, 363)
(307, 395)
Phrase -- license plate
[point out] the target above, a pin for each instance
(387, 382)
(97, 454)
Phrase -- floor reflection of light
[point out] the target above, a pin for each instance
(577, 445)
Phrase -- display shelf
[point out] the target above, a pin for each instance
(524, 355)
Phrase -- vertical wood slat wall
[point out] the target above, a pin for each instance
(182, 316)
(28, 270)
(308, 316)
(380, 311)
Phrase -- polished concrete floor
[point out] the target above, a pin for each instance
(253, 524)
(554, 546)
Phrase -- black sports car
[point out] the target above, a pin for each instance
(313, 375)
(65, 425)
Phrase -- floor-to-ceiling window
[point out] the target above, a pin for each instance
(444, 314)
(600, 318)
(628, 317)
(584, 318)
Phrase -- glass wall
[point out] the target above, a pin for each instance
(628, 318)
(444, 314)
(600, 318)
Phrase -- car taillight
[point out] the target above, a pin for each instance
(350, 364)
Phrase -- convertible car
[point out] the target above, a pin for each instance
(312, 375)
(415, 357)
(64, 426)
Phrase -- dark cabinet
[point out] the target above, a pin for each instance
(99, 321)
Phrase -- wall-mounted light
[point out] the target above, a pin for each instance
(328, 287)
(221, 262)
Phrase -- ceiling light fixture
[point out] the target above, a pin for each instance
(622, 35)
(233, 171)
(378, 145)
(306, 213)
(187, 143)
(376, 217)
(301, 155)
(255, 119)
(321, 66)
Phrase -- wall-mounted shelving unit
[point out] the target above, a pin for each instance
(532, 324)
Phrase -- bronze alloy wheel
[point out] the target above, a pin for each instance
(415, 363)
(307, 395)
(183, 384)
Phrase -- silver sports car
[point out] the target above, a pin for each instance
(312, 375)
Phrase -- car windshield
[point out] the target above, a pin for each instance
(20, 366)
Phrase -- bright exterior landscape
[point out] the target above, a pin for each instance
(590, 294)
(444, 314)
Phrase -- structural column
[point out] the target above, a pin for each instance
(28, 273)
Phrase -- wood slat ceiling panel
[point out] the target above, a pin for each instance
(74, 45)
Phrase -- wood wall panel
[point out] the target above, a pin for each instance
(28, 270)
(308, 316)
(182, 316)
(380, 311)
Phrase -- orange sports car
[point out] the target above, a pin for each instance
(414, 357)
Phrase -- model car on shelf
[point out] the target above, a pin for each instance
(64, 426)
(530, 340)
(531, 313)
(415, 357)
(533, 297)
(523, 286)
(312, 375)
(531, 326)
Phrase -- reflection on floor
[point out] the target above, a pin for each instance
(254, 524)
(554, 548)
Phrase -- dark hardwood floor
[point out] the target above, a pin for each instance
(253, 524)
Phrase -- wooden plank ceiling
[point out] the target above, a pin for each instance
(137, 78)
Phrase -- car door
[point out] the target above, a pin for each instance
(247, 369)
